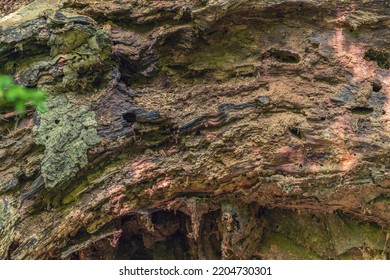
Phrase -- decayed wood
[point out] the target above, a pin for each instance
(197, 130)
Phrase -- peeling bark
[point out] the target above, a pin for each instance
(197, 130)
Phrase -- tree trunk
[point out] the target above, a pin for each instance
(197, 129)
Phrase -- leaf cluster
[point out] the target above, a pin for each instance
(19, 96)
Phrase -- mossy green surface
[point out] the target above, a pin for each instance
(348, 234)
(85, 49)
(81, 50)
(301, 235)
(67, 131)
(278, 246)
(303, 229)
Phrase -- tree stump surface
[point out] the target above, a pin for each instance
(197, 129)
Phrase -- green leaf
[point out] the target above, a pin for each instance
(42, 108)
(20, 107)
(39, 95)
(19, 96)
(5, 82)
(13, 94)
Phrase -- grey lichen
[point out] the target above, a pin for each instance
(67, 131)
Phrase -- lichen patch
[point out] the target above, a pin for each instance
(67, 131)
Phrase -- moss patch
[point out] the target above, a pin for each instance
(280, 247)
(348, 234)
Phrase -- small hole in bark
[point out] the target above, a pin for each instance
(296, 132)
(97, 82)
(57, 121)
(12, 248)
(130, 117)
(261, 212)
(315, 45)
(362, 110)
(198, 133)
(376, 86)
(284, 56)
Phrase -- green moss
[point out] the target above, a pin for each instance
(275, 245)
(348, 234)
(84, 49)
(67, 131)
(28, 61)
(75, 192)
(20, 64)
(302, 235)
(98, 223)
(304, 229)
(70, 40)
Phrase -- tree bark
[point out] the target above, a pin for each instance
(197, 129)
